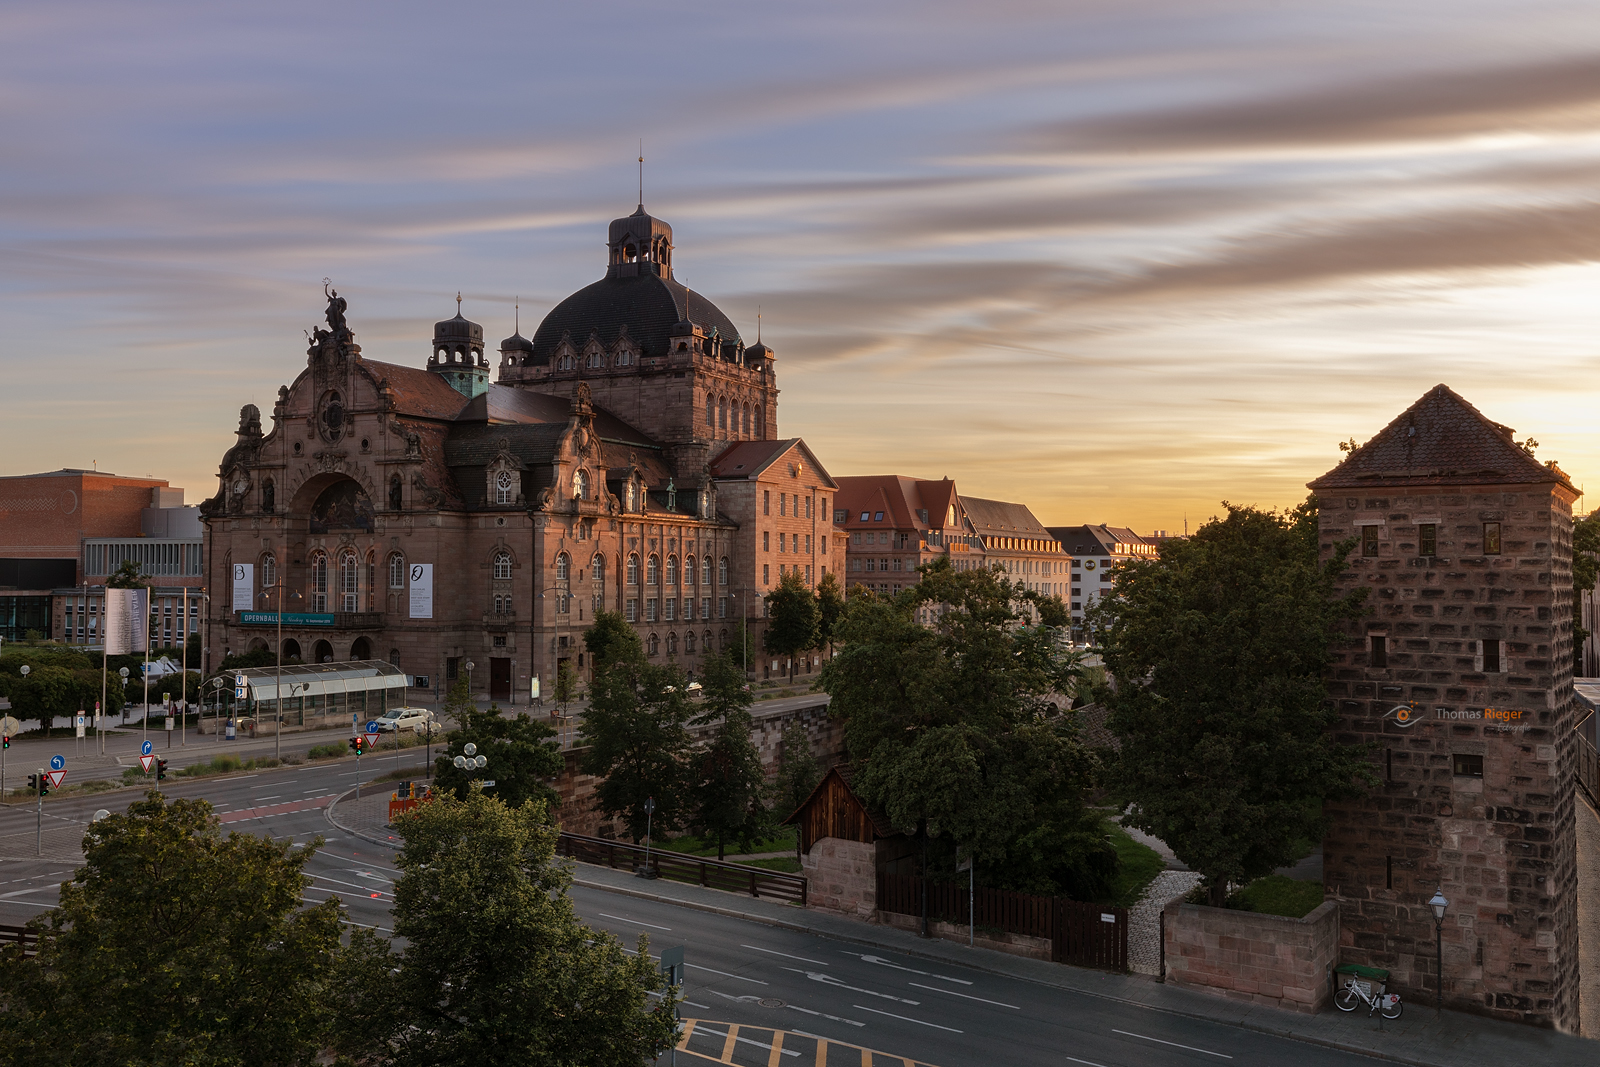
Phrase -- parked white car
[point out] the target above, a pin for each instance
(396, 719)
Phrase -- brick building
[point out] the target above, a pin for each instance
(63, 532)
(626, 459)
(1459, 677)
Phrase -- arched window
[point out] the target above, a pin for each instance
(502, 565)
(269, 497)
(652, 571)
(397, 571)
(372, 580)
(672, 570)
(688, 571)
(672, 644)
(597, 568)
(580, 484)
(319, 582)
(563, 567)
(633, 569)
(624, 358)
(711, 413)
(595, 360)
(504, 488)
(688, 643)
(349, 582)
(744, 414)
(653, 646)
(723, 638)
(722, 571)
(269, 570)
(632, 503)
(705, 571)
(722, 413)
(564, 363)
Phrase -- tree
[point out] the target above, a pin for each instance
(637, 738)
(497, 968)
(830, 609)
(798, 772)
(728, 783)
(175, 944)
(520, 752)
(793, 617)
(127, 576)
(958, 730)
(611, 639)
(566, 685)
(1218, 648)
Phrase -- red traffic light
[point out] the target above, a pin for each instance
(161, 769)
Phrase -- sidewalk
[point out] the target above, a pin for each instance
(1420, 1036)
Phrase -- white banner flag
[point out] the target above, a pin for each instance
(127, 621)
(244, 586)
(422, 590)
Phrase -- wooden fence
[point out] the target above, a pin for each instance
(20, 935)
(1085, 935)
(678, 867)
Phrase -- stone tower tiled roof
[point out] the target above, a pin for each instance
(1440, 440)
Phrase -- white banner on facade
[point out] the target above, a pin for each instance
(127, 621)
(422, 590)
(244, 586)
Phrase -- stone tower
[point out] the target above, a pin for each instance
(1460, 678)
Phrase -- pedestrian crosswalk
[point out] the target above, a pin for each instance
(707, 1041)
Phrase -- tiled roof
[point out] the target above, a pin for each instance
(416, 391)
(1002, 518)
(907, 503)
(750, 459)
(647, 306)
(508, 404)
(1090, 540)
(1440, 440)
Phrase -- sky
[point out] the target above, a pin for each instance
(1120, 260)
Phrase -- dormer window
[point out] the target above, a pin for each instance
(596, 360)
(624, 358)
(580, 485)
(565, 362)
(504, 488)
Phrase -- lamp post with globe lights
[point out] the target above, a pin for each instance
(1438, 903)
(470, 759)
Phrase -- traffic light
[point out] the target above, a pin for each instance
(44, 785)
(33, 782)
(7, 741)
(161, 769)
(355, 745)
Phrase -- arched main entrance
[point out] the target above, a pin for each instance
(361, 648)
(322, 652)
(291, 651)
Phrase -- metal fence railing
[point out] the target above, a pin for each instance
(693, 870)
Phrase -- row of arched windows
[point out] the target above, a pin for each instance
(692, 644)
(732, 418)
(652, 570)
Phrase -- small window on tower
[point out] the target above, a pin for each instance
(1369, 540)
(1428, 539)
(1377, 650)
(1491, 655)
(1467, 765)
(1491, 538)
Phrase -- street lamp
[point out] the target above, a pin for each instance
(470, 760)
(1439, 904)
(649, 816)
(469, 666)
(277, 731)
(122, 672)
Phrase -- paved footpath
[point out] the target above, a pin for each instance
(1421, 1036)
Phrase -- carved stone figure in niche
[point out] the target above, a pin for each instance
(344, 505)
(413, 444)
(269, 497)
(396, 498)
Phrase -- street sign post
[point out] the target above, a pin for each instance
(145, 748)
(672, 967)
(372, 726)
(147, 762)
(56, 763)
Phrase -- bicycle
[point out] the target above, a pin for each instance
(1366, 986)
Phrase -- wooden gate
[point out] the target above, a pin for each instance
(1088, 935)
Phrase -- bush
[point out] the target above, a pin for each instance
(1275, 894)
(225, 764)
(327, 751)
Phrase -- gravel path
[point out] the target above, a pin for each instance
(1144, 919)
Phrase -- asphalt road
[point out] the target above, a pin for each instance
(762, 978)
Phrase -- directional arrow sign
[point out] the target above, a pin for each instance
(56, 778)
(56, 763)
(372, 726)
(147, 762)
(144, 750)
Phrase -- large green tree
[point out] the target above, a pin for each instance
(1585, 565)
(521, 751)
(1217, 648)
(792, 619)
(497, 968)
(728, 785)
(637, 738)
(830, 609)
(611, 639)
(957, 729)
(176, 944)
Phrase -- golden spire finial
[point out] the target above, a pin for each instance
(641, 174)
(458, 302)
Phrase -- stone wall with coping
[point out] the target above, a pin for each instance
(1033, 948)
(1244, 955)
(842, 876)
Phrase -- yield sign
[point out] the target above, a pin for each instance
(147, 762)
(56, 778)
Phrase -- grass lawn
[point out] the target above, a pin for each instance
(694, 846)
(1277, 895)
(1137, 867)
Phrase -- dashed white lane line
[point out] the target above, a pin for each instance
(1086, 1063)
(881, 962)
(633, 922)
(725, 974)
(785, 955)
(907, 1018)
(829, 980)
(1174, 1044)
(965, 996)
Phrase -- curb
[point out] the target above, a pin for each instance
(987, 968)
(327, 813)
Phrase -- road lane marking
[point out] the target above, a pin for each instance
(725, 974)
(704, 1029)
(774, 952)
(274, 796)
(1174, 1044)
(822, 1015)
(335, 881)
(965, 996)
(907, 1018)
(881, 962)
(827, 979)
(25, 892)
(1086, 1063)
(636, 922)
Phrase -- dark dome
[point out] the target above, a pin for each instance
(458, 328)
(649, 306)
(516, 343)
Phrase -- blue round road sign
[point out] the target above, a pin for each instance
(372, 726)
(145, 749)
(56, 763)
